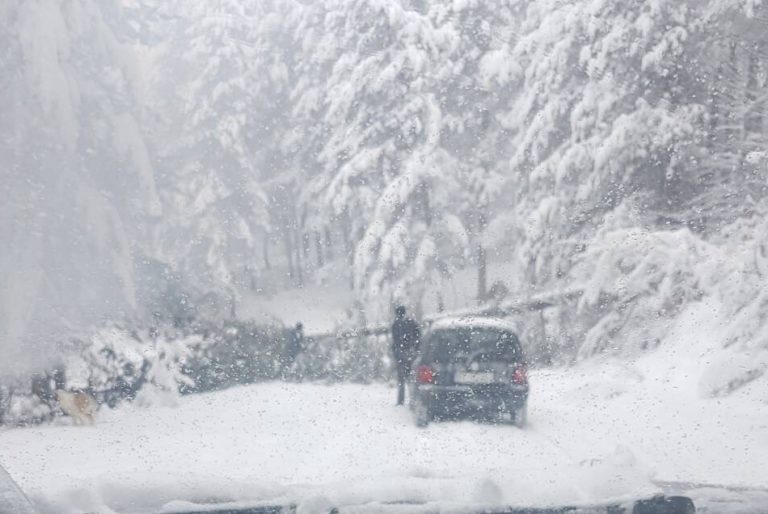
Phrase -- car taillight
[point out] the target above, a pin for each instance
(424, 375)
(520, 376)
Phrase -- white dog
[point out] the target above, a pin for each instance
(79, 405)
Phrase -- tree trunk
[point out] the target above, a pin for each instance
(319, 249)
(545, 342)
(482, 274)
(305, 246)
(714, 113)
(732, 133)
(482, 262)
(346, 228)
(288, 240)
(232, 305)
(299, 265)
(328, 244)
(425, 205)
(753, 122)
(267, 264)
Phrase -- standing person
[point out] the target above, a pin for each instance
(293, 345)
(405, 344)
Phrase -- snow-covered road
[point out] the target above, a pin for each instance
(600, 432)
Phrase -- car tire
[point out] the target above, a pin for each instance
(520, 415)
(421, 413)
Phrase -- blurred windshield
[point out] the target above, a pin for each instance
(232, 232)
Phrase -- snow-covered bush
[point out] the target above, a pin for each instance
(745, 241)
(116, 363)
(19, 406)
(731, 371)
(234, 353)
(345, 358)
(635, 281)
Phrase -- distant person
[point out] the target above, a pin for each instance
(294, 344)
(405, 344)
(42, 387)
(5, 400)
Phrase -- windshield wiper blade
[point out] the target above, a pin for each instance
(655, 505)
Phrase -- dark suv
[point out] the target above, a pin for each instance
(470, 367)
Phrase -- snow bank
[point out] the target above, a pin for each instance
(293, 443)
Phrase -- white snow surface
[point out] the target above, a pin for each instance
(282, 443)
(477, 322)
(601, 431)
(320, 308)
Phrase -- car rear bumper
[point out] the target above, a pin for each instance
(465, 399)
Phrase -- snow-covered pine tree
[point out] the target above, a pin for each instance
(728, 176)
(210, 150)
(591, 122)
(379, 143)
(470, 97)
(79, 185)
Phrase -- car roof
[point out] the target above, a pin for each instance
(469, 321)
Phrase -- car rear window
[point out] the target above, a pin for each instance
(459, 344)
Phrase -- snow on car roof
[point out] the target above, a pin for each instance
(484, 322)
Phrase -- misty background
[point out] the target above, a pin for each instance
(167, 160)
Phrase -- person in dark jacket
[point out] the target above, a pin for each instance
(405, 344)
(294, 344)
